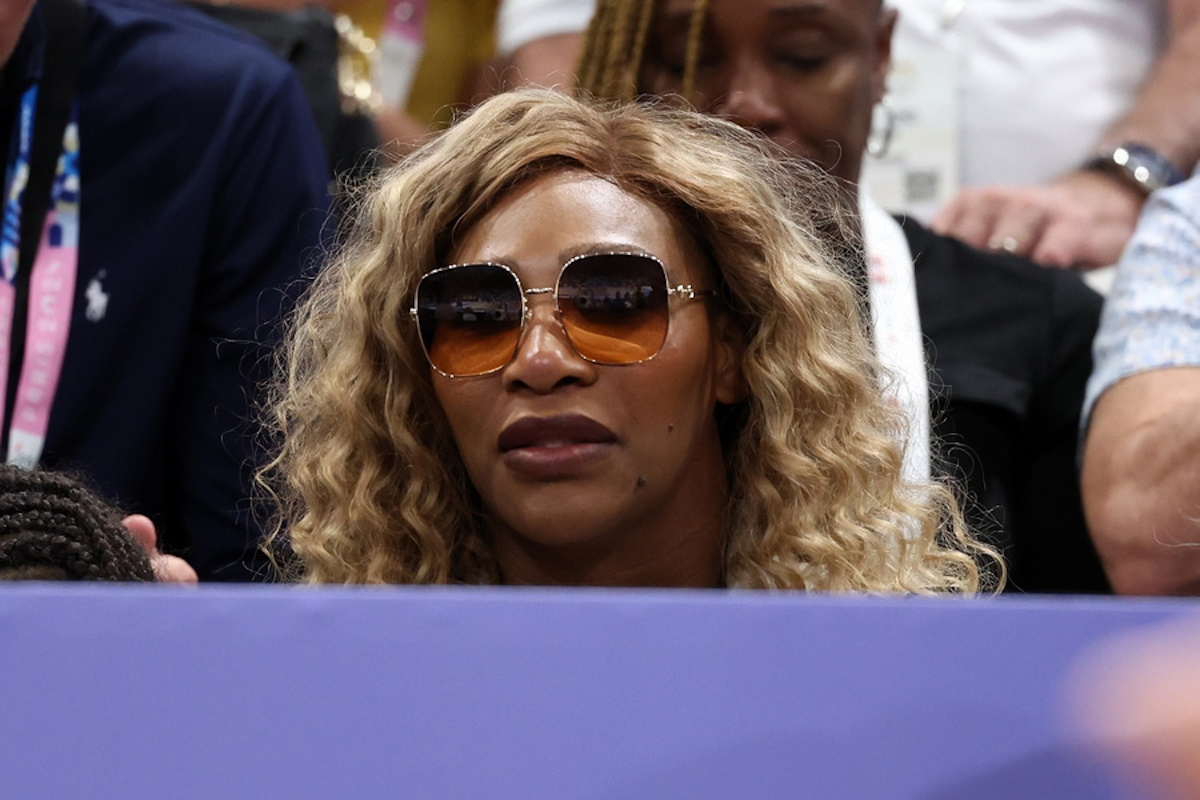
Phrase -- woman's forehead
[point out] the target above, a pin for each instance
(571, 212)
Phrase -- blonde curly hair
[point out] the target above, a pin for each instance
(369, 483)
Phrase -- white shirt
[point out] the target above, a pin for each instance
(896, 325)
(1032, 84)
(519, 22)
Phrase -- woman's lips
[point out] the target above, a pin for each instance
(549, 447)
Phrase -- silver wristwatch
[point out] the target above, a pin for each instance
(1139, 166)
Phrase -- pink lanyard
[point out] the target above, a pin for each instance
(51, 287)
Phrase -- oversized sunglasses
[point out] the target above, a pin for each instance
(613, 308)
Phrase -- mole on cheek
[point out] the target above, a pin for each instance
(671, 428)
(641, 482)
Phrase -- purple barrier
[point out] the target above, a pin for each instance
(282, 692)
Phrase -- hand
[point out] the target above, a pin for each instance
(1082, 220)
(167, 569)
(1133, 697)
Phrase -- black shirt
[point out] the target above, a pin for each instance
(1009, 348)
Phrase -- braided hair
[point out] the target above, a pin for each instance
(609, 68)
(616, 41)
(52, 528)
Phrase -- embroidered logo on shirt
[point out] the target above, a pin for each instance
(97, 299)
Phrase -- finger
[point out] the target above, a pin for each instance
(1071, 242)
(1018, 228)
(947, 217)
(173, 569)
(971, 217)
(167, 569)
(143, 532)
(1076, 244)
(1061, 246)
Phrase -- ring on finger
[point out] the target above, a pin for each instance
(1009, 244)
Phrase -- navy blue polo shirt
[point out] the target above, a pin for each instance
(203, 200)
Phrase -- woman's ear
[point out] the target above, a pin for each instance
(729, 347)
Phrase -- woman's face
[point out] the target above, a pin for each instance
(596, 474)
(807, 73)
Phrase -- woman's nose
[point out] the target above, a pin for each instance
(545, 358)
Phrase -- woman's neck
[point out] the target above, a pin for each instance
(686, 559)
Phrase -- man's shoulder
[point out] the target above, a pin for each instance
(201, 86)
(150, 35)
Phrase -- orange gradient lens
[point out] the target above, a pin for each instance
(613, 308)
(469, 318)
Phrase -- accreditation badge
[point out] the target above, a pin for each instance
(916, 169)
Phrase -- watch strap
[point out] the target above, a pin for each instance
(1138, 165)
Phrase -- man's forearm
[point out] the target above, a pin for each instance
(1141, 482)
(1166, 114)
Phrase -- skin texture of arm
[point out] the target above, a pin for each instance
(548, 61)
(1141, 482)
(1084, 218)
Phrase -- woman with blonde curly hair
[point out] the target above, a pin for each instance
(587, 345)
